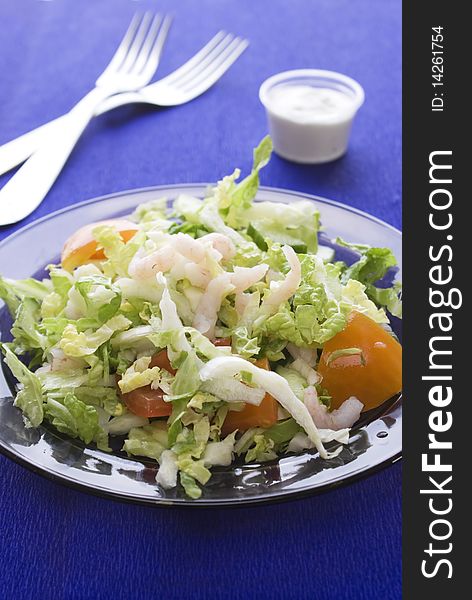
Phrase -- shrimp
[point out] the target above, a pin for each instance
(210, 303)
(343, 417)
(244, 277)
(188, 247)
(280, 291)
(220, 242)
(159, 261)
(197, 274)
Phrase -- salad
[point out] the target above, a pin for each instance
(205, 332)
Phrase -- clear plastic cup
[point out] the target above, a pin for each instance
(310, 113)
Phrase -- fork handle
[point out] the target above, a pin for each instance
(16, 151)
(28, 187)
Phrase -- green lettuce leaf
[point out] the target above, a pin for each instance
(139, 374)
(150, 440)
(117, 252)
(372, 266)
(187, 379)
(190, 486)
(13, 292)
(283, 431)
(390, 298)
(244, 345)
(235, 199)
(296, 381)
(354, 294)
(25, 327)
(188, 449)
(61, 280)
(84, 386)
(101, 297)
(149, 212)
(73, 417)
(62, 380)
(174, 423)
(295, 224)
(262, 450)
(52, 305)
(194, 468)
(30, 397)
(77, 344)
(203, 346)
(194, 230)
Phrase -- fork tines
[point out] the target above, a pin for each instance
(141, 45)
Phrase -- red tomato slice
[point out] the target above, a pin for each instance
(162, 361)
(222, 341)
(146, 402)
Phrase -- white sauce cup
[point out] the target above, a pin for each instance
(310, 126)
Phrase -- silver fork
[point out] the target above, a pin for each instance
(186, 83)
(131, 67)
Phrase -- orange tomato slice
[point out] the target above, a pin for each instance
(82, 247)
(264, 415)
(373, 376)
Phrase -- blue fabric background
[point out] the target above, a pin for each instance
(58, 543)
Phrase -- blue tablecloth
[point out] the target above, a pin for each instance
(58, 543)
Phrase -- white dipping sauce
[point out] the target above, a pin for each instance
(310, 123)
(305, 103)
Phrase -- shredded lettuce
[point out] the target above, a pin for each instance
(295, 224)
(86, 343)
(372, 266)
(123, 424)
(117, 252)
(102, 299)
(150, 212)
(29, 398)
(222, 266)
(150, 440)
(13, 292)
(168, 470)
(296, 381)
(261, 450)
(234, 199)
(74, 418)
(220, 453)
(139, 374)
(25, 327)
(187, 380)
(389, 298)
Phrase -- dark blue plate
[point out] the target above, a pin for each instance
(375, 441)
